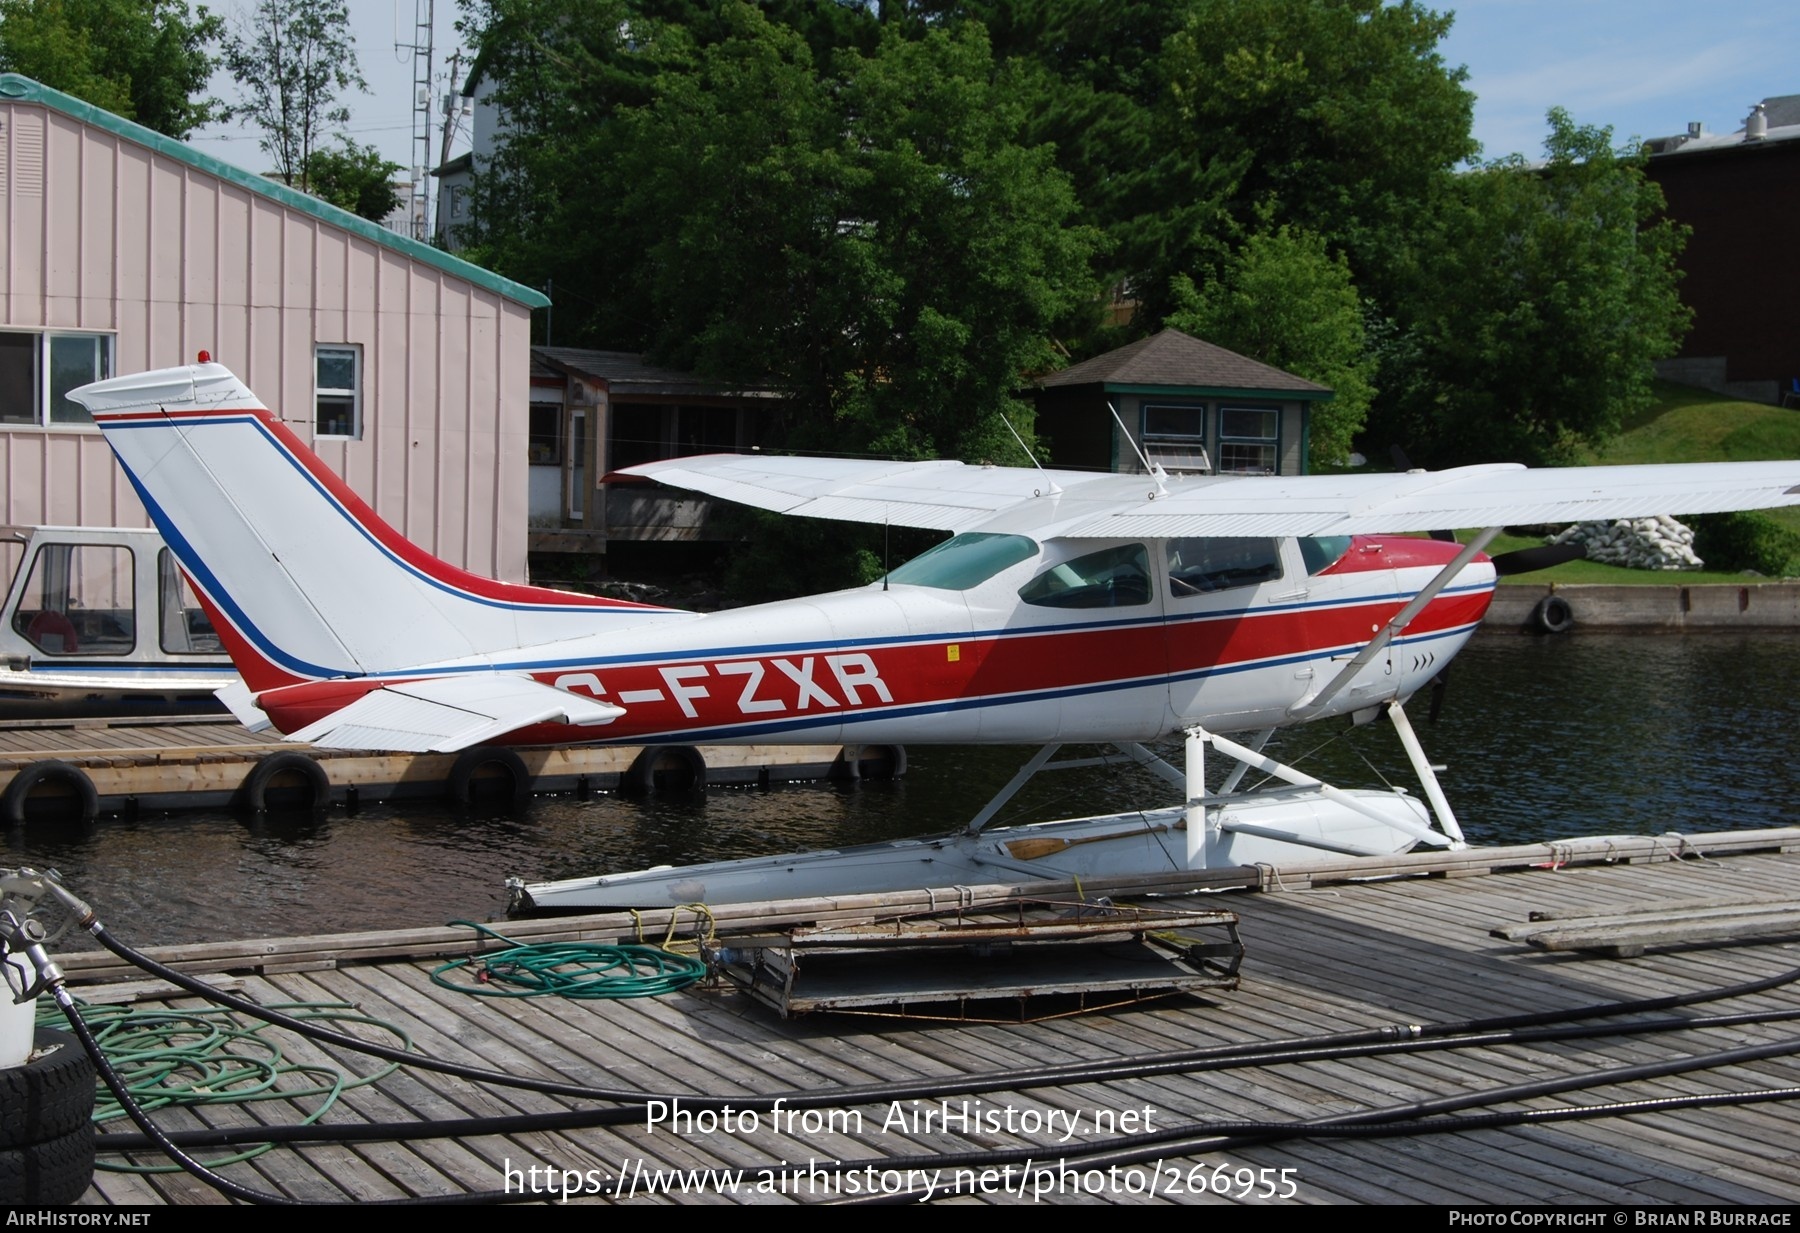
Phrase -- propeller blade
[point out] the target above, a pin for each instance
(1524, 560)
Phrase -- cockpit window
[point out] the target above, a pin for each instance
(1322, 552)
(1197, 566)
(1112, 578)
(965, 561)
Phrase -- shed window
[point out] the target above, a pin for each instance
(546, 440)
(37, 371)
(337, 391)
(1249, 440)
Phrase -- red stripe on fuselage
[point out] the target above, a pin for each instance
(667, 697)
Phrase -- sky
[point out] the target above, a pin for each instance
(1644, 68)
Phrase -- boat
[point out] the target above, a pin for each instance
(99, 621)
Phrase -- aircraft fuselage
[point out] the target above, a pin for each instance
(1142, 644)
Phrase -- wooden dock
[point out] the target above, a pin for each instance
(204, 762)
(1326, 953)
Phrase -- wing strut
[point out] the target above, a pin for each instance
(1379, 643)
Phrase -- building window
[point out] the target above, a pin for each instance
(1175, 436)
(1249, 440)
(337, 391)
(37, 371)
(544, 445)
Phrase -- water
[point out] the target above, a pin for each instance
(1542, 738)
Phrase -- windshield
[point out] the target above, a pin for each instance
(965, 561)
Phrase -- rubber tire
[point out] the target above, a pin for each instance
(875, 762)
(259, 783)
(57, 1171)
(666, 768)
(50, 1095)
(1553, 615)
(17, 797)
(466, 786)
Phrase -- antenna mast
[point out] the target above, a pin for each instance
(424, 24)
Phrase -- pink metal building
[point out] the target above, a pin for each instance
(407, 369)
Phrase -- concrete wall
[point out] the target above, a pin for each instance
(1762, 605)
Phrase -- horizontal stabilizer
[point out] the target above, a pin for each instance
(446, 714)
(241, 702)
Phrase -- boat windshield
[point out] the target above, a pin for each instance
(965, 561)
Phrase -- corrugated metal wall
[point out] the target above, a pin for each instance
(101, 234)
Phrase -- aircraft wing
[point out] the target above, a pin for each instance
(951, 496)
(1480, 496)
(939, 496)
(448, 713)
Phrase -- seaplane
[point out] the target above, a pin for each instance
(1065, 607)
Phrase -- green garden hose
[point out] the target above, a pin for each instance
(580, 970)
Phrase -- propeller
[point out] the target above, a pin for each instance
(1525, 560)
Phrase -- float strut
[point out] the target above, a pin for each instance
(1440, 804)
(1196, 793)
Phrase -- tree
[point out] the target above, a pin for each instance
(355, 178)
(874, 238)
(871, 233)
(1286, 301)
(1540, 295)
(146, 61)
(1337, 116)
(293, 58)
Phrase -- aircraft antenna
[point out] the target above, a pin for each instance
(1154, 469)
(1053, 489)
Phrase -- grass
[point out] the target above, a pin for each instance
(1683, 424)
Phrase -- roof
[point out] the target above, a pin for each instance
(1782, 114)
(1171, 360)
(24, 89)
(462, 162)
(626, 372)
(1782, 110)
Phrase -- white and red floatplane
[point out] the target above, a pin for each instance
(1067, 607)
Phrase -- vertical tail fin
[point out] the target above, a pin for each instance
(306, 582)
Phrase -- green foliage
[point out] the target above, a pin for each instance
(870, 234)
(354, 178)
(1284, 300)
(145, 60)
(1538, 298)
(919, 252)
(1335, 116)
(292, 58)
(1746, 540)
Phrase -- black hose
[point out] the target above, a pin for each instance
(583, 1119)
